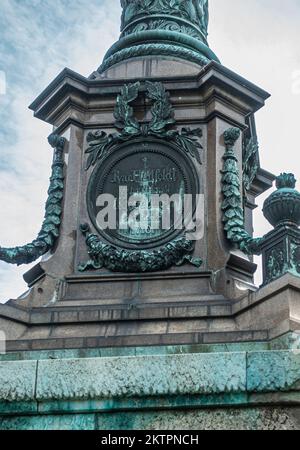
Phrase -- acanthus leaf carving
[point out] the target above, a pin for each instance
(194, 11)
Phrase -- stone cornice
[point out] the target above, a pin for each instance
(70, 88)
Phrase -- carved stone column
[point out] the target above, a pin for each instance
(161, 28)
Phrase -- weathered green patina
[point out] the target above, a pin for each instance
(171, 28)
(155, 391)
(232, 206)
(281, 253)
(280, 247)
(100, 143)
(177, 251)
(283, 205)
(49, 233)
(250, 162)
(193, 15)
(116, 259)
(155, 50)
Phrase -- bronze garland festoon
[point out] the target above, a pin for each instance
(107, 256)
(232, 206)
(101, 145)
(49, 233)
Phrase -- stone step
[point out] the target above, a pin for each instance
(67, 312)
(113, 337)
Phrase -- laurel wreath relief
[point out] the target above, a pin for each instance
(100, 143)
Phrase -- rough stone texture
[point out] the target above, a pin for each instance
(53, 423)
(18, 407)
(272, 371)
(218, 419)
(150, 375)
(239, 390)
(17, 380)
(141, 376)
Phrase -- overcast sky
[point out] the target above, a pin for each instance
(258, 39)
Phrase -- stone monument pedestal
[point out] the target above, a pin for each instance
(181, 305)
(119, 331)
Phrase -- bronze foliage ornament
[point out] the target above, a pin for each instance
(101, 143)
(161, 24)
(102, 255)
(170, 28)
(232, 205)
(154, 49)
(176, 29)
(276, 265)
(281, 209)
(250, 162)
(49, 233)
(194, 11)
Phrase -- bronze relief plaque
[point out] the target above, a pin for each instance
(141, 167)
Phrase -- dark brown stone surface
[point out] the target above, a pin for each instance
(65, 308)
